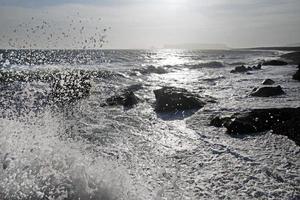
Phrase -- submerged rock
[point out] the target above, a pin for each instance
(126, 99)
(267, 91)
(268, 82)
(152, 69)
(275, 62)
(282, 121)
(212, 64)
(170, 99)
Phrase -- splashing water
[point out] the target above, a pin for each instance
(37, 163)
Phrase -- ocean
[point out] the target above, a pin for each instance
(58, 141)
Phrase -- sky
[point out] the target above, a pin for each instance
(141, 24)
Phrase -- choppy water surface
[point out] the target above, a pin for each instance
(85, 151)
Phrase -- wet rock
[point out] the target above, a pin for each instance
(257, 67)
(282, 121)
(267, 91)
(268, 82)
(275, 62)
(170, 99)
(126, 99)
(296, 76)
(239, 69)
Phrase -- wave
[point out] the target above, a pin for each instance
(149, 70)
(37, 162)
(211, 64)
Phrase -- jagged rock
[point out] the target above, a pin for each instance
(267, 91)
(268, 82)
(169, 99)
(275, 62)
(126, 99)
(282, 121)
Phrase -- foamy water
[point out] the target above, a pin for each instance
(85, 151)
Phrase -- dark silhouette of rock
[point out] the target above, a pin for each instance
(257, 67)
(267, 91)
(268, 82)
(170, 99)
(282, 121)
(239, 69)
(296, 76)
(275, 62)
(126, 99)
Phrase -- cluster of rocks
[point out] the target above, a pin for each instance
(168, 100)
(282, 121)
(243, 69)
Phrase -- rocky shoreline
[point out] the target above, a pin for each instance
(69, 86)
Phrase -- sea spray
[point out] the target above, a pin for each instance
(37, 163)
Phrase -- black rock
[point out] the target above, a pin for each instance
(267, 91)
(275, 62)
(257, 67)
(268, 82)
(296, 76)
(126, 99)
(282, 121)
(242, 69)
(169, 99)
(239, 69)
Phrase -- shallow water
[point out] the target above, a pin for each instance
(86, 151)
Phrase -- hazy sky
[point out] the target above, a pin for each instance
(154, 23)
